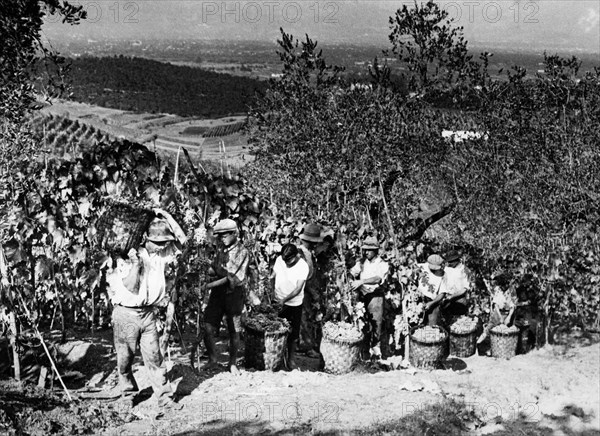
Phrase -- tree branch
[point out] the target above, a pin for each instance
(418, 226)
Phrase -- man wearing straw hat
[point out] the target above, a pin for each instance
(458, 284)
(433, 287)
(371, 273)
(136, 287)
(309, 238)
(227, 294)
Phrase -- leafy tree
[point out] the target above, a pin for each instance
(528, 196)
(332, 148)
(525, 192)
(21, 55)
(434, 50)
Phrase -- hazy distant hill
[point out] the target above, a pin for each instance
(520, 24)
(143, 85)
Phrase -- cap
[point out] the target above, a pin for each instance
(435, 262)
(225, 226)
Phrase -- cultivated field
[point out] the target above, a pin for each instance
(164, 132)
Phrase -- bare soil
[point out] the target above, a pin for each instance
(553, 390)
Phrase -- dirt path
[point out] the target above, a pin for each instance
(554, 390)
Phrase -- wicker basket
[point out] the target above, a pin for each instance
(265, 350)
(340, 356)
(463, 344)
(504, 345)
(429, 355)
(122, 226)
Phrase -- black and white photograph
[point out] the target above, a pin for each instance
(300, 217)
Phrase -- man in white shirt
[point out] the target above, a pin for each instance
(458, 284)
(135, 288)
(290, 272)
(371, 272)
(433, 287)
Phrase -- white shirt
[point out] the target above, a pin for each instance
(503, 300)
(287, 279)
(456, 279)
(431, 285)
(371, 268)
(152, 284)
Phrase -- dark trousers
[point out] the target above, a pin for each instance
(223, 301)
(228, 302)
(374, 306)
(446, 313)
(310, 328)
(294, 315)
(133, 327)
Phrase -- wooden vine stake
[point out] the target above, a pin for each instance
(39, 335)
(175, 176)
(406, 337)
(12, 328)
(397, 257)
(389, 220)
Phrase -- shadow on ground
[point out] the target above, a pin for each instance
(449, 418)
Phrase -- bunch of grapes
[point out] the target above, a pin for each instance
(342, 331)
(504, 329)
(464, 324)
(429, 335)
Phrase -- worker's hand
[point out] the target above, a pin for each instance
(163, 343)
(356, 284)
(143, 254)
(277, 306)
(133, 255)
(106, 262)
(159, 212)
(4, 281)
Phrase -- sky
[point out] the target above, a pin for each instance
(519, 24)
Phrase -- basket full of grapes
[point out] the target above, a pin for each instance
(463, 336)
(266, 340)
(504, 341)
(340, 347)
(122, 226)
(428, 347)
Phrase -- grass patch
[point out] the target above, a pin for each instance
(446, 418)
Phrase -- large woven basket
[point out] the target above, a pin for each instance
(340, 356)
(265, 350)
(122, 226)
(504, 344)
(426, 354)
(463, 344)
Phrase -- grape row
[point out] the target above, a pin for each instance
(60, 135)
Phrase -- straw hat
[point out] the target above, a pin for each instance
(159, 231)
(311, 233)
(370, 243)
